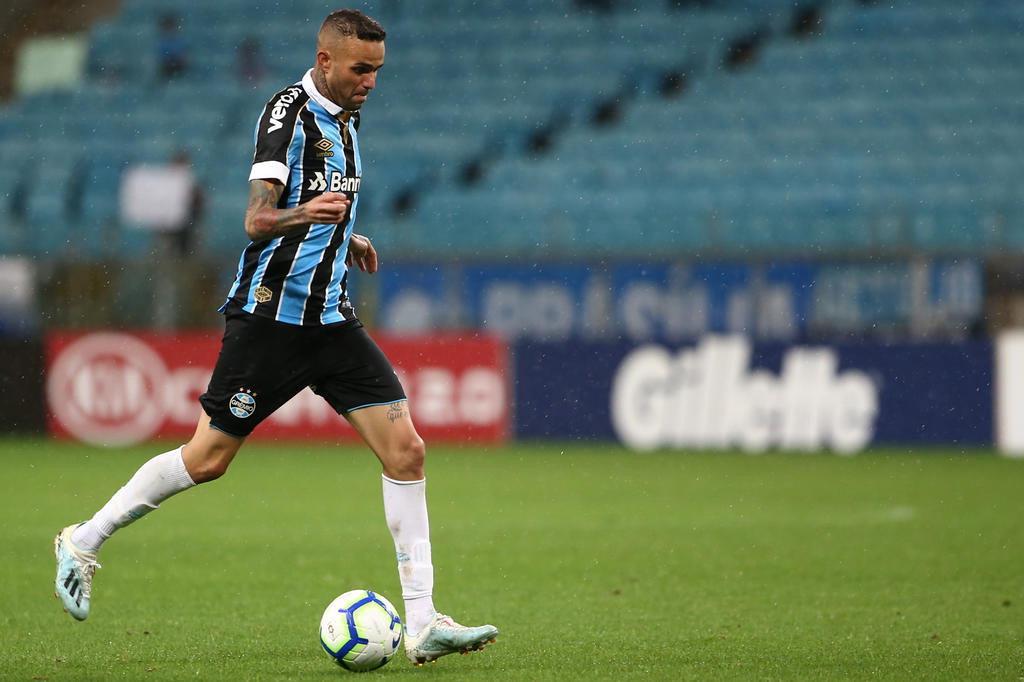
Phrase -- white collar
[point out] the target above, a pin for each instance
(310, 87)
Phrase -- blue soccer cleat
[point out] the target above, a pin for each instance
(444, 636)
(75, 569)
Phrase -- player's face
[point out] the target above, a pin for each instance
(350, 68)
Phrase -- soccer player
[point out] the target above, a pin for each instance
(289, 325)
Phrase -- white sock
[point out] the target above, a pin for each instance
(154, 482)
(405, 508)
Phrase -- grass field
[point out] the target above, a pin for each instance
(594, 562)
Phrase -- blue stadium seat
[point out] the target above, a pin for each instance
(897, 127)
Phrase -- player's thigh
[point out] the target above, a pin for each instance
(391, 434)
(353, 374)
(359, 382)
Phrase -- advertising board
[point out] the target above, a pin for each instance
(728, 392)
(117, 388)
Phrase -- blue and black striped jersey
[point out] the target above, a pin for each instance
(308, 144)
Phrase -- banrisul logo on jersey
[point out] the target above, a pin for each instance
(709, 396)
(335, 181)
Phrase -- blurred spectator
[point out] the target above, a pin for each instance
(170, 46)
(177, 269)
(250, 67)
(184, 239)
(167, 200)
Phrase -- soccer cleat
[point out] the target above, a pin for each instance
(444, 636)
(75, 569)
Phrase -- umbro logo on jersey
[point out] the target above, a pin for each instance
(333, 181)
(281, 107)
(324, 145)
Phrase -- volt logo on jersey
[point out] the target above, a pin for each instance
(335, 181)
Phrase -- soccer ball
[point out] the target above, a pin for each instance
(360, 630)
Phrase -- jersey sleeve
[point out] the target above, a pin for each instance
(274, 132)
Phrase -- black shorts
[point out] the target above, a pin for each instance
(263, 364)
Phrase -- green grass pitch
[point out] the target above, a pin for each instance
(594, 562)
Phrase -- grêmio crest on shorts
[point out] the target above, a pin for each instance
(309, 145)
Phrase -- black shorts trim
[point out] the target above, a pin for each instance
(217, 427)
(363, 407)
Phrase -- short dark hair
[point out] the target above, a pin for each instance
(353, 23)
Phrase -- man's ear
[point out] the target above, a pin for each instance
(323, 58)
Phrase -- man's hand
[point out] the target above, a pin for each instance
(362, 254)
(328, 208)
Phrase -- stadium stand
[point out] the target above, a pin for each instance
(850, 141)
(892, 127)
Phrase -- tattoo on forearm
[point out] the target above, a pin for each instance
(263, 215)
(263, 195)
(397, 411)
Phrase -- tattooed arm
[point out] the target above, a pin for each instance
(263, 220)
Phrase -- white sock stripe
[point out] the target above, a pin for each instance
(420, 552)
(414, 596)
(394, 482)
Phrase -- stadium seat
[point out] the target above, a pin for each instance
(893, 128)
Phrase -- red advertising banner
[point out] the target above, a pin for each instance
(114, 388)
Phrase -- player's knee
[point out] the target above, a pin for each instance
(407, 464)
(416, 453)
(209, 470)
(208, 465)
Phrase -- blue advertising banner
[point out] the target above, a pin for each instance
(532, 301)
(676, 302)
(413, 299)
(726, 392)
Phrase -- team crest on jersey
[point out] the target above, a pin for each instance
(263, 294)
(242, 404)
(324, 146)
